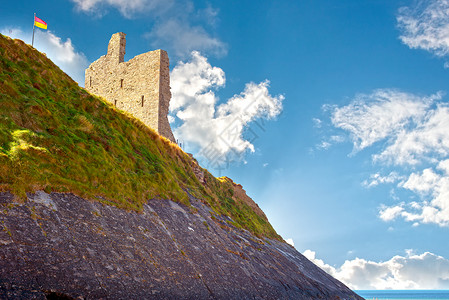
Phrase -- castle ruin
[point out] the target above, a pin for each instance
(140, 86)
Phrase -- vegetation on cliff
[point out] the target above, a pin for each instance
(55, 136)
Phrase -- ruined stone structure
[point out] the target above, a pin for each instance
(140, 86)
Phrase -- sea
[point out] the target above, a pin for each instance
(404, 294)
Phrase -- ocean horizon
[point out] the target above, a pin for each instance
(404, 294)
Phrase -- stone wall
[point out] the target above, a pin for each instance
(140, 86)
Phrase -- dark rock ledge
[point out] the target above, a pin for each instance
(60, 246)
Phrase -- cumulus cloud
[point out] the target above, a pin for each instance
(426, 26)
(410, 131)
(423, 271)
(217, 129)
(390, 213)
(61, 52)
(429, 183)
(290, 242)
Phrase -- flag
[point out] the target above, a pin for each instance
(39, 23)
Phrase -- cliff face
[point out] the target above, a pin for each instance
(60, 244)
(240, 193)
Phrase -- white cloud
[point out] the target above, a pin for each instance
(371, 118)
(429, 183)
(337, 139)
(311, 255)
(127, 8)
(194, 78)
(423, 182)
(376, 179)
(329, 142)
(317, 123)
(61, 52)
(424, 271)
(390, 213)
(426, 26)
(182, 38)
(324, 145)
(213, 127)
(444, 166)
(290, 242)
(393, 194)
(411, 131)
(427, 139)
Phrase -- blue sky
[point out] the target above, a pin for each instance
(333, 115)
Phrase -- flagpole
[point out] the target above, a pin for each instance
(34, 21)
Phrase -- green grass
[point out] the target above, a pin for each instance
(55, 136)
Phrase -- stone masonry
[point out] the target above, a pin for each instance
(140, 86)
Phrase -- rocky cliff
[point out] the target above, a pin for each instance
(95, 205)
(62, 245)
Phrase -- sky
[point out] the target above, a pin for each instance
(333, 115)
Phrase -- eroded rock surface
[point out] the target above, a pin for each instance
(60, 244)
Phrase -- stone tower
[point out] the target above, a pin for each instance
(140, 86)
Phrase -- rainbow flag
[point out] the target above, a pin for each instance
(39, 23)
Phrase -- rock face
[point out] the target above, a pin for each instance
(240, 193)
(62, 245)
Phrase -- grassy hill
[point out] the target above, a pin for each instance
(55, 136)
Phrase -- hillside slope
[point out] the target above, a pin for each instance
(94, 204)
(55, 136)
